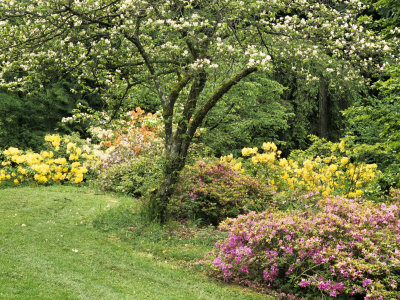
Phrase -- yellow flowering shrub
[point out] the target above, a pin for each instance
(334, 174)
(236, 164)
(63, 161)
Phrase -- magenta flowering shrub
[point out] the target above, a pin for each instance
(214, 191)
(347, 249)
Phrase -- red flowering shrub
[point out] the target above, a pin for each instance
(345, 249)
(212, 192)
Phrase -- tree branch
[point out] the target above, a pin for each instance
(215, 97)
(149, 65)
(168, 111)
(223, 116)
(195, 91)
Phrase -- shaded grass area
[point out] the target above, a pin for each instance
(49, 249)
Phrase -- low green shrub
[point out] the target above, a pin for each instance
(134, 176)
(213, 191)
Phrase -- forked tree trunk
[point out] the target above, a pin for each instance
(177, 144)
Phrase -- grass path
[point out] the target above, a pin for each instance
(50, 250)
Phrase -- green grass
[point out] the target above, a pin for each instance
(49, 249)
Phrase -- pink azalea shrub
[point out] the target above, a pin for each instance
(345, 248)
(213, 191)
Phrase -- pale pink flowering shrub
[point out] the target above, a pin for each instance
(213, 191)
(345, 248)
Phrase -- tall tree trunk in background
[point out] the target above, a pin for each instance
(323, 109)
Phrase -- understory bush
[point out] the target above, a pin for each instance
(212, 191)
(133, 154)
(346, 248)
(134, 177)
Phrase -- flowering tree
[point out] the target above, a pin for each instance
(191, 52)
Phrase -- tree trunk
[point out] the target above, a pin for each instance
(323, 109)
(172, 170)
(177, 145)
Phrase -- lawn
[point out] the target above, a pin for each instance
(49, 249)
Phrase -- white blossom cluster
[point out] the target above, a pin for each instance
(94, 40)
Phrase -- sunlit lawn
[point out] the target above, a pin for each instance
(49, 249)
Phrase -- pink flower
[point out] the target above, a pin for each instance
(304, 283)
(366, 282)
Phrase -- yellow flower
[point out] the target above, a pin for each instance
(341, 146)
(266, 157)
(351, 195)
(325, 193)
(78, 178)
(55, 140)
(58, 176)
(283, 162)
(269, 146)
(60, 161)
(73, 157)
(70, 146)
(249, 151)
(237, 166)
(40, 178)
(78, 151)
(75, 164)
(11, 151)
(227, 158)
(21, 170)
(308, 165)
(16, 181)
(344, 161)
(19, 159)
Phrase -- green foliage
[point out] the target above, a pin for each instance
(191, 55)
(376, 128)
(26, 118)
(213, 191)
(21, 122)
(252, 114)
(135, 177)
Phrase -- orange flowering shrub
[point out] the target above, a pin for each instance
(136, 131)
(131, 149)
